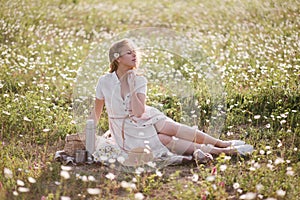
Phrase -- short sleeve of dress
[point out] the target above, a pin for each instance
(99, 88)
(141, 84)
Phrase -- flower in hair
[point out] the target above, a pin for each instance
(116, 55)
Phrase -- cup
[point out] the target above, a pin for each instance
(80, 156)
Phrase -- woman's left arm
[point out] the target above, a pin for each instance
(138, 99)
(138, 104)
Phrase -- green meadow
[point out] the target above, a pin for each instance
(254, 44)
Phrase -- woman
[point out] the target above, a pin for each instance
(123, 92)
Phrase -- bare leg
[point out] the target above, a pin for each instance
(178, 146)
(171, 128)
(181, 146)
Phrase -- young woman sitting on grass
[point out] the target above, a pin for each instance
(137, 127)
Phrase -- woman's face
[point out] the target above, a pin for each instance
(128, 58)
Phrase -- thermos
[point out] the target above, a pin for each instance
(90, 137)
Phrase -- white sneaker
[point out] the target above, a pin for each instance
(202, 157)
(237, 142)
(244, 149)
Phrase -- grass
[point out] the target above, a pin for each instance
(255, 43)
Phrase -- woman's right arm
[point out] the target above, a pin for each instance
(99, 104)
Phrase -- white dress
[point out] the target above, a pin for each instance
(129, 132)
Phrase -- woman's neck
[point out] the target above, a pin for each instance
(120, 73)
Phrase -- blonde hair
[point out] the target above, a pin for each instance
(114, 50)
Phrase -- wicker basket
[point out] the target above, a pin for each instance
(74, 142)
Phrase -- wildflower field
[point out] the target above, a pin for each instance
(255, 43)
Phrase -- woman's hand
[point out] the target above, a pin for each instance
(131, 74)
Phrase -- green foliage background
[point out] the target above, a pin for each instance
(256, 43)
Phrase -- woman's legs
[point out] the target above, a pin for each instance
(181, 146)
(171, 128)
